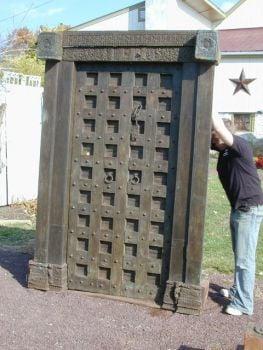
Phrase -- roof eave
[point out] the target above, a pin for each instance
(107, 16)
(233, 8)
(241, 53)
(212, 12)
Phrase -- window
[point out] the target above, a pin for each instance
(244, 122)
(141, 14)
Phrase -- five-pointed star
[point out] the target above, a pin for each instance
(242, 83)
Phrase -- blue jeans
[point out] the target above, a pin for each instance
(244, 231)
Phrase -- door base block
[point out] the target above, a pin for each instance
(45, 276)
(185, 298)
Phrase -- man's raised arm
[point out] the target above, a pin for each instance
(222, 131)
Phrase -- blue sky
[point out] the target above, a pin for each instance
(33, 13)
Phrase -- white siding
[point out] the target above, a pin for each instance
(258, 127)
(230, 68)
(247, 15)
(23, 129)
(173, 15)
(124, 21)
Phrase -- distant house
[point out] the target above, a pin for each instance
(241, 42)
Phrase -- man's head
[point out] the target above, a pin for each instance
(217, 141)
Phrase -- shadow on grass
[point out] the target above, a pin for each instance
(16, 235)
(16, 263)
(16, 249)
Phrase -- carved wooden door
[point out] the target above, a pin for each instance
(124, 162)
(123, 178)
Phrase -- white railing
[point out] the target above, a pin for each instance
(13, 78)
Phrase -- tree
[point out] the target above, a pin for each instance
(19, 52)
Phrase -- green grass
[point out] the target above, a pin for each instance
(16, 233)
(218, 254)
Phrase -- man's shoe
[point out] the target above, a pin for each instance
(224, 292)
(232, 311)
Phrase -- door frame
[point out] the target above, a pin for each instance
(198, 53)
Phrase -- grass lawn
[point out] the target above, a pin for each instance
(218, 255)
(16, 234)
(217, 244)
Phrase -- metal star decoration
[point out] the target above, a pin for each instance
(242, 83)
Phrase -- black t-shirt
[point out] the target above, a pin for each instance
(238, 175)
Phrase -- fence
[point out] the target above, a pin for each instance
(20, 128)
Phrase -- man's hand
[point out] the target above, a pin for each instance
(223, 133)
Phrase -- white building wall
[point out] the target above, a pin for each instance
(23, 132)
(124, 21)
(225, 103)
(247, 15)
(230, 68)
(173, 15)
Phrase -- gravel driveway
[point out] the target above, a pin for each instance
(31, 319)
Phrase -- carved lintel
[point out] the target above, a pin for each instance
(207, 47)
(151, 38)
(50, 46)
(45, 276)
(129, 54)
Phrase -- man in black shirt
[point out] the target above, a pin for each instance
(238, 175)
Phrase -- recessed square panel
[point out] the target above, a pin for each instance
(158, 203)
(139, 101)
(87, 149)
(157, 228)
(104, 273)
(83, 244)
(85, 172)
(81, 270)
(136, 152)
(165, 104)
(161, 153)
(105, 247)
(111, 151)
(114, 102)
(132, 225)
(128, 276)
(133, 200)
(153, 279)
(89, 125)
(83, 220)
(91, 101)
(108, 199)
(135, 177)
(84, 197)
(163, 129)
(160, 178)
(130, 249)
(106, 223)
(109, 175)
(155, 252)
(115, 79)
(140, 79)
(166, 81)
(112, 126)
(140, 124)
(92, 78)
